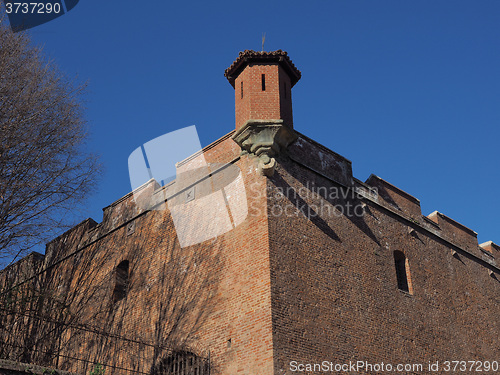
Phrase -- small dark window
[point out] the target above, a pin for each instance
(121, 281)
(263, 82)
(284, 89)
(241, 89)
(400, 263)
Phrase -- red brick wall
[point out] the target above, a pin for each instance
(284, 285)
(285, 98)
(334, 289)
(257, 104)
(198, 297)
(244, 312)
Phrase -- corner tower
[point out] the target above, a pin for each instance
(262, 83)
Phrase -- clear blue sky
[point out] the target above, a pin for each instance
(407, 90)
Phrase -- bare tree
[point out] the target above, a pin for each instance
(63, 312)
(44, 171)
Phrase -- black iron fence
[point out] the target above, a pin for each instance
(86, 350)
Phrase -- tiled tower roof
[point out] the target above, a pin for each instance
(249, 56)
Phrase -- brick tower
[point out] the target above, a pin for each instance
(262, 84)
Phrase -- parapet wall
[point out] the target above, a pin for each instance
(332, 166)
(336, 292)
(395, 197)
(457, 233)
(321, 160)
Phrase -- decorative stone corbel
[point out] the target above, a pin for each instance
(264, 139)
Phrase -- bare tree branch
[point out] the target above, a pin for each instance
(44, 172)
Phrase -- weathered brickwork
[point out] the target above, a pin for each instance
(308, 276)
(176, 297)
(262, 87)
(334, 290)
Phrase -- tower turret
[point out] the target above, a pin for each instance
(262, 82)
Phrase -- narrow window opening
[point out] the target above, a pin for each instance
(401, 263)
(284, 88)
(263, 82)
(121, 281)
(241, 89)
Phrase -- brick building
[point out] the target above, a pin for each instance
(319, 269)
